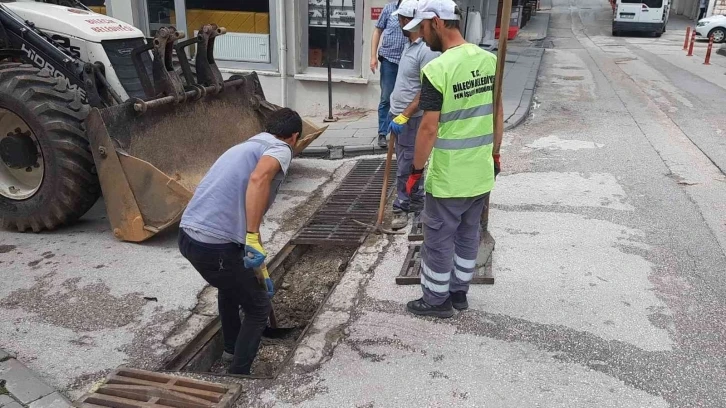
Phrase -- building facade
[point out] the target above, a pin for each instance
(284, 41)
(691, 8)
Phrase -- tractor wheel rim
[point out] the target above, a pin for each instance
(19, 183)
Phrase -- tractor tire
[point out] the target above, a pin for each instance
(54, 117)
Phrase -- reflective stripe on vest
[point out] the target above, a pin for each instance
(482, 110)
(461, 162)
(458, 144)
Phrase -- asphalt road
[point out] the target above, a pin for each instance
(76, 303)
(610, 223)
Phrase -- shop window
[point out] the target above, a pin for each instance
(345, 37)
(98, 6)
(248, 25)
(161, 14)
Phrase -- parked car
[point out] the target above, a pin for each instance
(712, 26)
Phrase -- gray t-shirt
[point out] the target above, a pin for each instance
(216, 214)
(408, 81)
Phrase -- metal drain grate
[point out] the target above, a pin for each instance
(130, 388)
(483, 276)
(356, 198)
(416, 233)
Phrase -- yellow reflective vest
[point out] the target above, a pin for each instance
(461, 162)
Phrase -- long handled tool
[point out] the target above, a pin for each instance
(498, 82)
(273, 331)
(377, 228)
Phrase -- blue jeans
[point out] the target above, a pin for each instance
(389, 71)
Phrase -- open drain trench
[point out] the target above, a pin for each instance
(305, 272)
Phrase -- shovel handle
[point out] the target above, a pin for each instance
(273, 318)
(384, 189)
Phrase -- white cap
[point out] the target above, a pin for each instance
(407, 8)
(428, 9)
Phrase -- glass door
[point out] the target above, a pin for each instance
(162, 13)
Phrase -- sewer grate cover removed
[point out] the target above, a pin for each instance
(483, 276)
(131, 388)
(416, 233)
(356, 198)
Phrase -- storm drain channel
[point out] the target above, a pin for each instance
(356, 199)
(305, 273)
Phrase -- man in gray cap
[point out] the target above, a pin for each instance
(406, 113)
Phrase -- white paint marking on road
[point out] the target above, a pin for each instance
(403, 361)
(563, 189)
(570, 270)
(553, 142)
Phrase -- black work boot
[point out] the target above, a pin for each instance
(382, 141)
(458, 300)
(421, 308)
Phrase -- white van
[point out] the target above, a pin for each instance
(645, 16)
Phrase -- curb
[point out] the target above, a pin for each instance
(340, 152)
(527, 96)
(20, 387)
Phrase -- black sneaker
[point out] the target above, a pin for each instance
(382, 141)
(421, 308)
(458, 300)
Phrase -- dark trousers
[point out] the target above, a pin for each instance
(404, 156)
(451, 228)
(222, 266)
(702, 13)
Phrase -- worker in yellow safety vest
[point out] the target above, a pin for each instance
(457, 131)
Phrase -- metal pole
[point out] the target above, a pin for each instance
(708, 52)
(328, 54)
(688, 36)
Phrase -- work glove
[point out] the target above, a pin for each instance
(413, 179)
(268, 282)
(254, 252)
(396, 126)
(497, 166)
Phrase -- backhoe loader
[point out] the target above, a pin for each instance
(90, 106)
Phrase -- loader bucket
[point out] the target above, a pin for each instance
(151, 155)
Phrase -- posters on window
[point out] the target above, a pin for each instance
(342, 13)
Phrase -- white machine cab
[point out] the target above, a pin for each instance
(89, 37)
(74, 22)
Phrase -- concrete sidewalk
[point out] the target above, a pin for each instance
(356, 132)
(20, 387)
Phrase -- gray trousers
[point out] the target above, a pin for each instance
(451, 228)
(404, 157)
